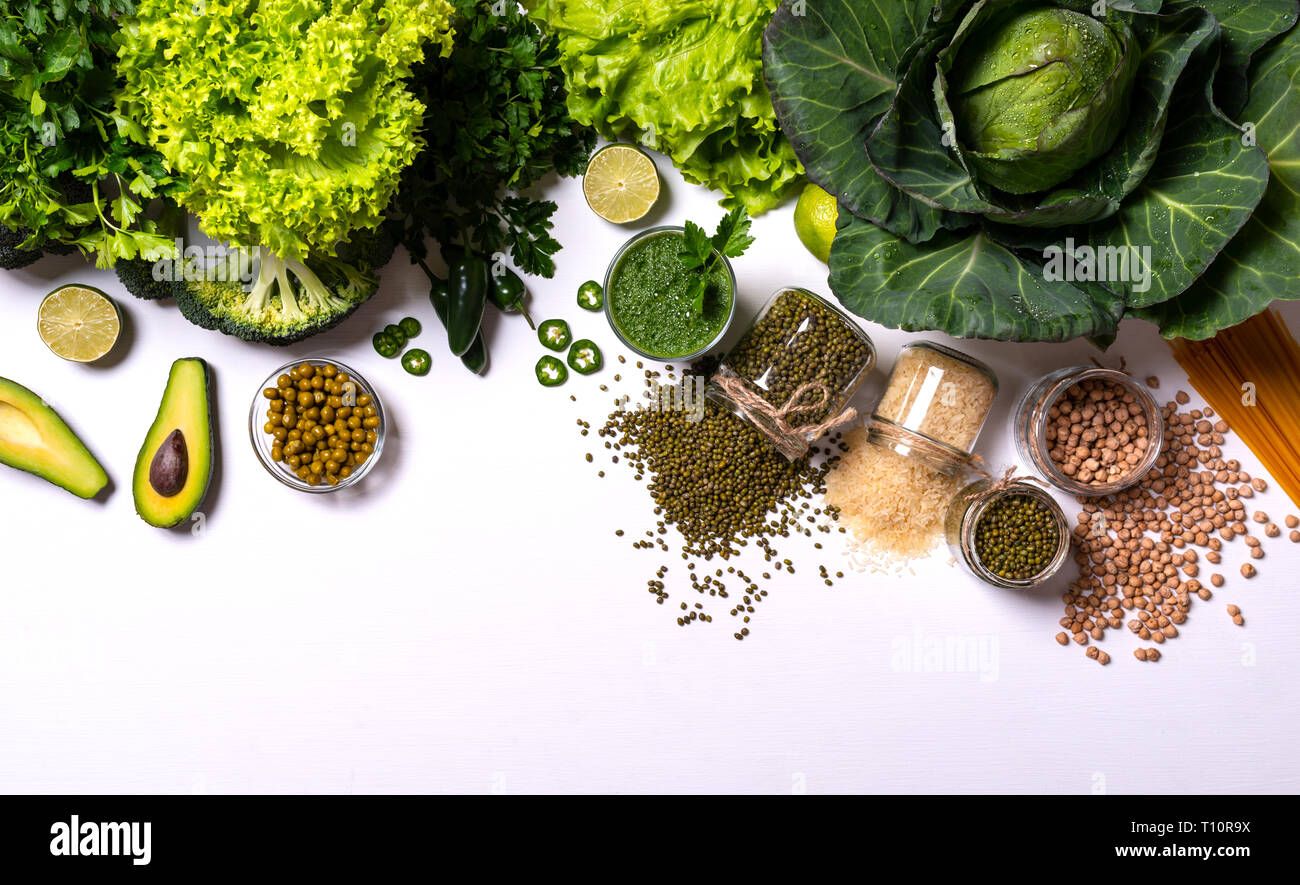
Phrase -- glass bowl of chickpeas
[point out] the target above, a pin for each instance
(317, 426)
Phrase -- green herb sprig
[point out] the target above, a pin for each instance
(73, 171)
(700, 252)
(497, 123)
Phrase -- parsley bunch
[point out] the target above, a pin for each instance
(73, 172)
(701, 252)
(496, 123)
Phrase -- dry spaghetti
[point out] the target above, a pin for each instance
(1250, 375)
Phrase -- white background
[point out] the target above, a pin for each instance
(466, 620)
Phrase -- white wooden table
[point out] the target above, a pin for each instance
(478, 626)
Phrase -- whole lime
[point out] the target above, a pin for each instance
(814, 220)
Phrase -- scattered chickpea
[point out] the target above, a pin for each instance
(1216, 579)
(1153, 382)
(1292, 521)
(1062, 639)
(1247, 570)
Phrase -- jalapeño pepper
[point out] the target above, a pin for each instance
(591, 296)
(438, 298)
(551, 372)
(554, 334)
(397, 333)
(385, 346)
(417, 361)
(508, 292)
(467, 291)
(585, 357)
(475, 359)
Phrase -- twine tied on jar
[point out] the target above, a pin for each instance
(774, 421)
(1010, 478)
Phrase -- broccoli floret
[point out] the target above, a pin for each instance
(289, 300)
(137, 275)
(12, 253)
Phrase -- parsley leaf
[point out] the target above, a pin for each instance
(696, 248)
(701, 253)
(732, 238)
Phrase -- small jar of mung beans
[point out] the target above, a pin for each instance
(1008, 533)
(795, 369)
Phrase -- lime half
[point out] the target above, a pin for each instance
(621, 183)
(79, 323)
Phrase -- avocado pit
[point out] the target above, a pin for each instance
(171, 466)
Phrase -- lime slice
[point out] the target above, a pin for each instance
(621, 183)
(79, 323)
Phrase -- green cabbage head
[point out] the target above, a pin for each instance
(1039, 93)
(1038, 170)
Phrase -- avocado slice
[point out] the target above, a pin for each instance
(175, 463)
(35, 439)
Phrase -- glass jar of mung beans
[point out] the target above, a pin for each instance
(794, 370)
(1008, 533)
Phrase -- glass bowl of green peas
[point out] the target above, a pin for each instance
(317, 426)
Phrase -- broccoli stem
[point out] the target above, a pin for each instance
(273, 278)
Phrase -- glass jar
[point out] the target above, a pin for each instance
(934, 406)
(972, 504)
(644, 287)
(797, 342)
(1038, 429)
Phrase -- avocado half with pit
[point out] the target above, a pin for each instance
(175, 462)
(35, 439)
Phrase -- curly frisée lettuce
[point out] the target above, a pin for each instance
(292, 122)
(681, 76)
(289, 118)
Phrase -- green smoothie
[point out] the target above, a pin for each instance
(649, 303)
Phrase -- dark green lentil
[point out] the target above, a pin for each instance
(800, 340)
(1016, 537)
(719, 483)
